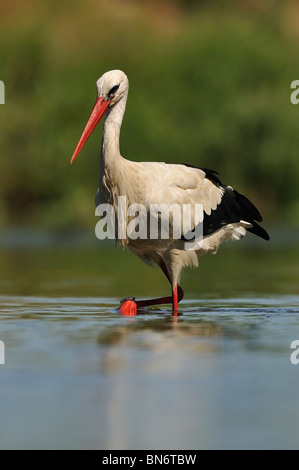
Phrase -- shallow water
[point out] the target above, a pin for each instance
(79, 375)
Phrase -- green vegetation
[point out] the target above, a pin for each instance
(210, 86)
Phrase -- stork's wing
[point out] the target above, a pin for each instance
(186, 185)
(233, 208)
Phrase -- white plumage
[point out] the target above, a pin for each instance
(226, 213)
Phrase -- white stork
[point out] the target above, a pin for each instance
(226, 213)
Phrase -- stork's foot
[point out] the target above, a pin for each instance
(128, 307)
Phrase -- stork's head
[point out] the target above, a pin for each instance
(111, 87)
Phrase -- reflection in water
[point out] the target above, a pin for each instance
(79, 375)
(160, 336)
(193, 373)
(153, 381)
(149, 356)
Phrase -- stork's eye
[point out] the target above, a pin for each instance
(113, 91)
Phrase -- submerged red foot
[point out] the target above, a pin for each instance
(128, 307)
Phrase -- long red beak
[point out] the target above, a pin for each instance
(97, 113)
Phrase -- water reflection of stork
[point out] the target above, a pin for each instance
(227, 214)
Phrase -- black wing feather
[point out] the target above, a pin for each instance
(233, 208)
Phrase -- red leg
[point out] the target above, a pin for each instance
(129, 306)
(175, 303)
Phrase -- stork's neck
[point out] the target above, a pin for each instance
(111, 133)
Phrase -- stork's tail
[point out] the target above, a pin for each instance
(251, 214)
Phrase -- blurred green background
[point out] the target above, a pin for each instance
(209, 85)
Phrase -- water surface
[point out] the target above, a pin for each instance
(79, 375)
